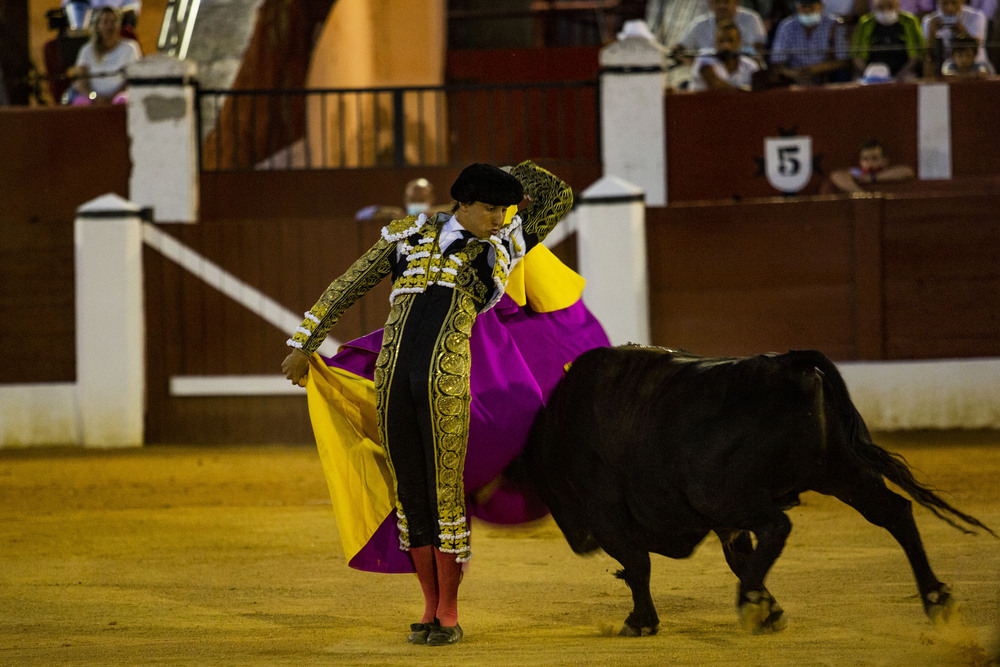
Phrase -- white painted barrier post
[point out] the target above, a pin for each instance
(633, 136)
(110, 323)
(162, 128)
(610, 220)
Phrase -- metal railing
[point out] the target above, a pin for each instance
(448, 125)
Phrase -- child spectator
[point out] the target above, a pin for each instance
(963, 59)
(873, 167)
(950, 21)
(727, 68)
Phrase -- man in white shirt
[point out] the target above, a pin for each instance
(952, 19)
(701, 36)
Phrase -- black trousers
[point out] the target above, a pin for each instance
(408, 414)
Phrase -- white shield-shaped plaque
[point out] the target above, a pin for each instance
(788, 162)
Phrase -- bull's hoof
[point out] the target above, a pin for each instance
(760, 613)
(940, 606)
(629, 630)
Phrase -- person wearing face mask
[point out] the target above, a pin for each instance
(418, 197)
(810, 47)
(726, 68)
(890, 36)
(952, 19)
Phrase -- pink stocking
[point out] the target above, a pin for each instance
(449, 575)
(423, 561)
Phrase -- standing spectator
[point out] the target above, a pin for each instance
(700, 38)
(811, 47)
(726, 68)
(952, 20)
(101, 62)
(889, 36)
(963, 60)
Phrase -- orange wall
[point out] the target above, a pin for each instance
(373, 44)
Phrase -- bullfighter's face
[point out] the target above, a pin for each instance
(483, 220)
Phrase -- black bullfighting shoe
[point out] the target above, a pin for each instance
(419, 632)
(444, 634)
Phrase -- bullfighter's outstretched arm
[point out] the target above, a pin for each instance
(551, 199)
(342, 293)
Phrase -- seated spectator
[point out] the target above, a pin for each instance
(700, 38)
(873, 167)
(952, 20)
(963, 59)
(726, 68)
(889, 36)
(418, 197)
(810, 47)
(100, 65)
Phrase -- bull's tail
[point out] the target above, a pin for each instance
(890, 465)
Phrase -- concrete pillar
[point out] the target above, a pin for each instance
(162, 127)
(610, 219)
(933, 132)
(110, 322)
(633, 136)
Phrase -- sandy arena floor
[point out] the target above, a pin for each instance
(230, 556)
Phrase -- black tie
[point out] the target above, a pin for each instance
(459, 243)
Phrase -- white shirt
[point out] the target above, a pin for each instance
(975, 24)
(702, 33)
(741, 78)
(113, 62)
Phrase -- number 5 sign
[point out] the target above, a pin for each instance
(788, 162)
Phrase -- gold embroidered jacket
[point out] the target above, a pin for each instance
(408, 249)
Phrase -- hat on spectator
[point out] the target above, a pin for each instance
(876, 73)
(636, 28)
(488, 184)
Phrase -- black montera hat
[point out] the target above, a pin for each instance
(488, 184)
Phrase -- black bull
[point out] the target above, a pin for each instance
(646, 450)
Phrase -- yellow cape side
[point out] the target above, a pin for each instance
(342, 411)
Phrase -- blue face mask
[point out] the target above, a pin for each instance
(809, 20)
(416, 208)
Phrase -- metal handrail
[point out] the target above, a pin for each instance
(450, 125)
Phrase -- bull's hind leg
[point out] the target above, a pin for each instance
(887, 509)
(759, 612)
(737, 546)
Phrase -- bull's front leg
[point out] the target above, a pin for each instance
(643, 619)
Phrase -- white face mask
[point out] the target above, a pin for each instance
(887, 18)
(809, 20)
(416, 208)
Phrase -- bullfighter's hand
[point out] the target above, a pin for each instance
(296, 367)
